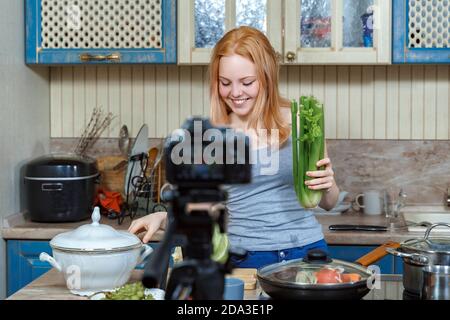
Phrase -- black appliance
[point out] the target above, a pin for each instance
(60, 187)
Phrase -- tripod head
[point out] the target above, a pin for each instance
(198, 276)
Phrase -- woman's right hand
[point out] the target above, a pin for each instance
(150, 224)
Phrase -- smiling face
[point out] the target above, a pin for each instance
(238, 84)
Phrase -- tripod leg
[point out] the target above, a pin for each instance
(181, 283)
(209, 284)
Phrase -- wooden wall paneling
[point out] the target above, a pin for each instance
(79, 98)
(367, 107)
(318, 84)
(137, 91)
(305, 80)
(293, 88)
(355, 107)
(185, 92)
(404, 112)
(442, 103)
(197, 91)
(417, 98)
(114, 100)
(91, 93)
(379, 121)
(429, 103)
(103, 97)
(126, 100)
(173, 99)
(342, 102)
(150, 99)
(56, 102)
(361, 102)
(392, 102)
(284, 81)
(330, 102)
(161, 101)
(67, 102)
(206, 102)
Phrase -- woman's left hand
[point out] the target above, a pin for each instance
(323, 179)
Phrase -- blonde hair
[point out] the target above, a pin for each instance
(252, 44)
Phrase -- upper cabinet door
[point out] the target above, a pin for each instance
(421, 31)
(203, 22)
(301, 31)
(100, 31)
(337, 31)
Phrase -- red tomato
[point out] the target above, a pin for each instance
(328, 276)
(350, 277)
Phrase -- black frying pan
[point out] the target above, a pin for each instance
(278, 280)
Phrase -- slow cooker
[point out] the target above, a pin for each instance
(60, 187)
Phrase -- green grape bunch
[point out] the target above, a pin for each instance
(131, 291)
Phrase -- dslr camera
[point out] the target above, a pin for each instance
(202, 156)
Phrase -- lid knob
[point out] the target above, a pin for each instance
(96, 216)
(317, 256)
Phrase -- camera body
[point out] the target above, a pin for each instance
(202, 156)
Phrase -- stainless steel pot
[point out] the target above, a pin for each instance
(436, 283)
(420, 253)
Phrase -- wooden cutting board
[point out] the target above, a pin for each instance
(248, 275)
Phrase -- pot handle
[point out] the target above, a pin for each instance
(45, 257)
(377, 253)
(415, 257)
(145, 253)
(427, 233)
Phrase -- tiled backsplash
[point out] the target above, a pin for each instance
(421, 168)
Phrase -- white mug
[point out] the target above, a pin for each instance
(372, 202)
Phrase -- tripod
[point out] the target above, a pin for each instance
(197, 277)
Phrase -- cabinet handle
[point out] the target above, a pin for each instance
(86, 57)
(290, 56)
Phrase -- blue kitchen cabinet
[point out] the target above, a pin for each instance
(421, 31)
(23, 264)
(398, 265)
(100, 32)
(388, 264)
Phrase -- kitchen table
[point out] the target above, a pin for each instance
(26, 240)
(51, 286)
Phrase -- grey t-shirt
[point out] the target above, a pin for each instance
(265, 214)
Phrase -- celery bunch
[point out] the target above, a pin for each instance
(308, 142)
(220, 245)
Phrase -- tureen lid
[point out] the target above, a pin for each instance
(95, 237)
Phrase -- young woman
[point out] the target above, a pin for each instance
(264, 217)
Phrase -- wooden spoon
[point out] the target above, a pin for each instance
(152, 154)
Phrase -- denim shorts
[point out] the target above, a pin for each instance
(258, 259)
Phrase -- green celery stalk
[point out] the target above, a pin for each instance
(308, 138)
(294, 113)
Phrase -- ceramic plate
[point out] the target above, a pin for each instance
(158, 294)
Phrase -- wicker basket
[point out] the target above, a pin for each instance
(110, 179)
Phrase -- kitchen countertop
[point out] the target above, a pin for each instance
(52, 286)
(18, 226)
